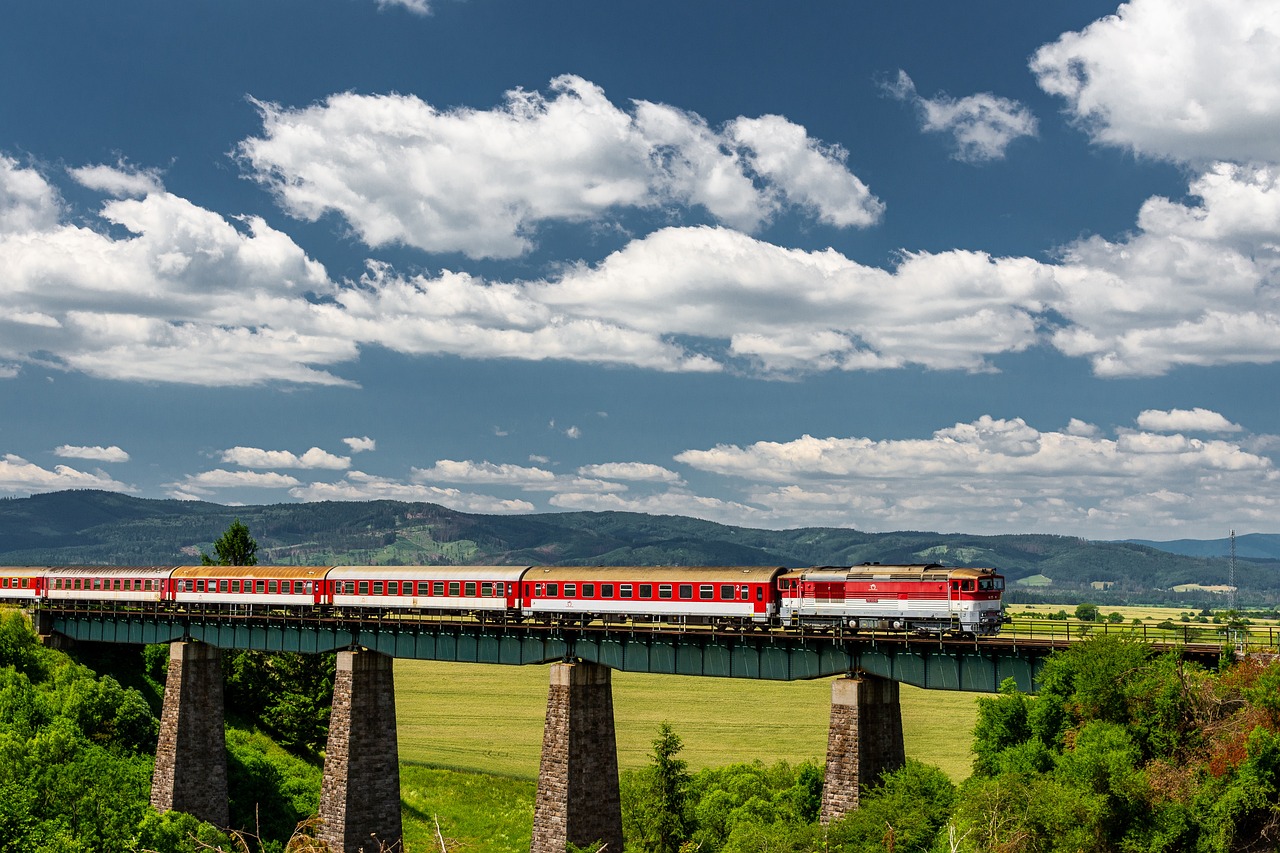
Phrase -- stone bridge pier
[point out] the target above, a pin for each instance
(360, 792)
(191, 759)
(577, 798)
(864, 740)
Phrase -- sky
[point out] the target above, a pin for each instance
(991, 267)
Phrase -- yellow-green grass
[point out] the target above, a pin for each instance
(489, 719)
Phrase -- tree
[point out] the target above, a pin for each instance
(235, 547)
(1087, 612)
(655, 820)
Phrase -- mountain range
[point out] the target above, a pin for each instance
(83, 527)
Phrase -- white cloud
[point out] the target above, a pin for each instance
(667, 503)
(1002, 475)
(573, 432)
(19, 475)
(253, 457)
(1185, 420)
(417, 7)
(359, 486)
(95, 453)
(982, 125)
(515, 476)
(1191, 80)
(27, 202)
(399, 170)
(640, 472)
(121, 181)
(186, 295)
(360, 445)
(207, 482)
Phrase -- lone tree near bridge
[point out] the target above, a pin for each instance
(235, 547)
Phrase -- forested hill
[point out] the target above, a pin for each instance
(104, 527)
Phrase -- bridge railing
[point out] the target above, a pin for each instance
(1241, 638)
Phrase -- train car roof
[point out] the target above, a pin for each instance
(655, 574)
(876, 571)
(24, 570)
(428, 573)
(290, 572)
(106, 571)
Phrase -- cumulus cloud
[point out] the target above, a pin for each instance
(95, 453)
(121, 180)
(982, 125)
(360, 445)
(640, 472)
(417, 7)
(253, 457)
(515, 476)
(359, 486)
(27, 201)
(207, 482)
(1185, 420)
(19, 475)
(1189, 80)
(400, 170)
(164, 290)
(997, 475)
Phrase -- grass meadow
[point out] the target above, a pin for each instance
(470, 738)
(489, 719)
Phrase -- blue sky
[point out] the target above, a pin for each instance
(994, 267)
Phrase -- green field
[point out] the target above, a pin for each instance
(489, 719)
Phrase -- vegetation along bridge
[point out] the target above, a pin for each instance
(577, 799)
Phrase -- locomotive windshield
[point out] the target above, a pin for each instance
(991, 583)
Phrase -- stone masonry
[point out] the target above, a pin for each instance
(577, 797)
(360, 793)
(191, 759)
(864, 741)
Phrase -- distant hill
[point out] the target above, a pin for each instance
(78, 527)
(1249, 546)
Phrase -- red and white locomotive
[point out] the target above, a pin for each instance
(919, 598)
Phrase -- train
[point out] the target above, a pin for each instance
(920, 598)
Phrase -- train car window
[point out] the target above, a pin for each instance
(377, 587)
(223, 585)
(744, 592)
(624, 590)
(486, 589)
(686, 590)
(437, 588)
(553, 589)
(570, 590)
(664, 590)
(588, 590)
(606, 590)
(199, 586)
(470, 588)
(423, 587)
(646, 590)
(97, 583)
(364, 587)
(706, 591)
(259, 587)
(24, 582)
(235, 586)
(455, 588)
(6, 583)
(966, 586)
(726, 592)
(115, 584)
(537, 589)
(273, 587)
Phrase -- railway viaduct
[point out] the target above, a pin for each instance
(577, 796)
